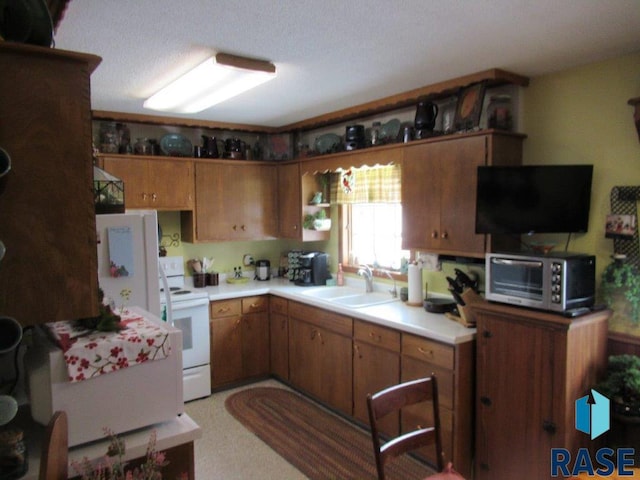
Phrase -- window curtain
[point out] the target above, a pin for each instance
(379, 184)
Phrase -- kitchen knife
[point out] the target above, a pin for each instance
(454, 286)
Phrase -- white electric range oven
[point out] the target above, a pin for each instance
(188, 310)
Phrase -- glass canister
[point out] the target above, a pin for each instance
(108, 137)
(499, 112)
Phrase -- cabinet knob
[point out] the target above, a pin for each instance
(243, 228)
(154, 197)
(434, 234)
(295, 227)
(549, 427)
(428, 353)
(486, 401)
(444, 235)
(487, 334)
(235, 227)
(144, 196)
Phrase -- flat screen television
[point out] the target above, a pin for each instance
(533, 199)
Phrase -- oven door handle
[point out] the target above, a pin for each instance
(519, 263)
(183, 305)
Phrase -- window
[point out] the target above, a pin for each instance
(371, 230)
(375, 235)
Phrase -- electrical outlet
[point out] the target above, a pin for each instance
(248, 260)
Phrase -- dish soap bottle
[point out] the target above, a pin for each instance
(340, 275)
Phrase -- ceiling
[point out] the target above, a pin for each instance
(332, 54)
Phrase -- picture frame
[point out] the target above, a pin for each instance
(469, 107)
(620, 226)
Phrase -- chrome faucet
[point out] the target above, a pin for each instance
(365, 271)
(394, 291)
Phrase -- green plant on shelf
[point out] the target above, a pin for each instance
(618, 277)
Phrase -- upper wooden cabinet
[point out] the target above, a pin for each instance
(153, 182)
(289, 201)
(235, 200)
(439, 190)
(47, 215)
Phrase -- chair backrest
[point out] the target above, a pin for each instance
(54, 455)
(393, 399)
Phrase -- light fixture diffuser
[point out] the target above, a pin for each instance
(213, 81)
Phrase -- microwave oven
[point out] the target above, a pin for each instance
(557, 282)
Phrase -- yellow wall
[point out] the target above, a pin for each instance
(579, 115)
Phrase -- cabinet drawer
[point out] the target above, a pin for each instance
(322, 318)
(376, 335)
(428, 351)
(278, 305)
(255, 304)
(225, 308)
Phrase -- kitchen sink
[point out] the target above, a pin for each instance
(349, 297)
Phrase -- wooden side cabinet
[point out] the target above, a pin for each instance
(531, 368)
(47, 214)
(279, 337)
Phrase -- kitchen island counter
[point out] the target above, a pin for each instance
(397, 314)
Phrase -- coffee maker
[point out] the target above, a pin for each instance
(314, 269)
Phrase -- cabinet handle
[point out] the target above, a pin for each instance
(224, 309)
(357, 350)
(254, 305)
(444, 235)
(486, 401)
(295, 227)
(238, 322)
(487, 334)
(144, 196)
(549, 427)
(373, 336)
(428, 353)
(434, 234)
(154, 197)
(235, 227)
(243, 228)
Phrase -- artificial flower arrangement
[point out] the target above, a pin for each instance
(112, 467)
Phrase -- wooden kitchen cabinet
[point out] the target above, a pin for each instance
(320, 346)
(234, 201)
(531, 368)
(47, 214)
(376, 365)
(279, 337)
(239, 330)
(453, 366)
(439, 191)
(153, 182)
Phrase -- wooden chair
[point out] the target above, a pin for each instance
(54, 455)
(394, 398)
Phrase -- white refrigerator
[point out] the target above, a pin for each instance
(128, 259)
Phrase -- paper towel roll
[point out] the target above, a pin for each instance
(415, 285)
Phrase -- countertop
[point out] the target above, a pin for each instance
(398, 315)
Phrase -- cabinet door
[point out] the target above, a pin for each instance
(515, 399)
(279, 330)
(289, 201)
(255, 344)
(304, 356)
(226, 350)
(421, 186)
(170, 184)
(213, 220)
(133, 172)
(336, 371)
(254, 189)
(460, 160)
(374, 369)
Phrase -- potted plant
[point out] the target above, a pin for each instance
(622, 386)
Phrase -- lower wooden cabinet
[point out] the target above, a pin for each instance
(320, 359)
(376, 365)
(454, 369)
(239, 330)
(279, 337)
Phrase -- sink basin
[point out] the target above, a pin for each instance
(364, 299)
(349, 297)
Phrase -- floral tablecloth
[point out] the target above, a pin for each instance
(90, 353)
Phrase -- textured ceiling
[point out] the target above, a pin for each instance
(332, 54)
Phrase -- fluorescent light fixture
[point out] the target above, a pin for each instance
(213, 81)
